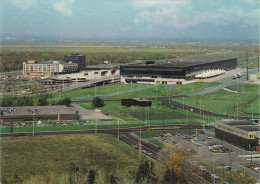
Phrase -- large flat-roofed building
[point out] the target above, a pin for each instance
(76, 58)
(174, 71)
(41, 68)
(29, 113)
(244, 133)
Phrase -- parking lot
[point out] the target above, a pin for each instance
(206, 148)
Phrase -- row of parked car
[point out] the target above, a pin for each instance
(45, 123)
(206, 143)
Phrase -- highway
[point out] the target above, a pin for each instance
(91, 83)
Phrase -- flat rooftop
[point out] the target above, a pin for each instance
(37, 110)
(242, 124)
(181, 62)
(141, 99)
(49, 62)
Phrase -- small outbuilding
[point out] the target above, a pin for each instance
(141, 102)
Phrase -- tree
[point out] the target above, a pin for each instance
(67, 101)
(91, 176)
(113, 179)
(146, 172)
(174, 171)
(97, 102)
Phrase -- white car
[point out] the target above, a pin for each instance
(215, 176)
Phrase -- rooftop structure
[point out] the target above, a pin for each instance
(76, 58)
(29, 113)
(141, 102)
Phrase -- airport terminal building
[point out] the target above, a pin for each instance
(175, 71)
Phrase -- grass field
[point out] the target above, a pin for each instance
(162, 90)
(48, 159)
(250, 88)
(156, 113)
(97, 91)
(225, 102)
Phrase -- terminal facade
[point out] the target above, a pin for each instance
(175, 71)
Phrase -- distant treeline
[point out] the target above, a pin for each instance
(39, 100)
(12, 60)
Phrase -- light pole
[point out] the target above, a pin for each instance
(33, 123)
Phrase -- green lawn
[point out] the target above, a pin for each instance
(161, 90)
(48, 159)
(157, 113)
(165, 90)
(223, 102)
(98, 91)
(250, 88)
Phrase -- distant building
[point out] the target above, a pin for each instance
(29, 113)
(244, 133)
(174, 71)
(141, 102)
(76, 58)
(41, 68)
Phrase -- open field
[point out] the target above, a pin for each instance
(225, 102)
(157, 113)
(52, 159)
(250, 88)
(165, 90)
(14, 53)
(160, 90)
(97, 91)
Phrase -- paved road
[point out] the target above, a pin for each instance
(89, 114)
(90, 83)
(225, 81)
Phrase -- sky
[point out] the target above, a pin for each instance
(139, 20)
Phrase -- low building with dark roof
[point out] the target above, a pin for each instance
(244, 133)
(174, 71)
(141, 102)
(29, 113)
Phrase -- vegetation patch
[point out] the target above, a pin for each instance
(158, 113)
(222, 102)
(237, 177)
(59, 158)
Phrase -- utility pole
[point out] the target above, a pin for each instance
(246, 64)
(140, 144)
(230, 163)
(118, 128)
(258, 59)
